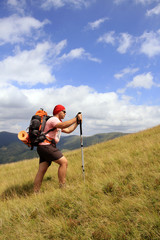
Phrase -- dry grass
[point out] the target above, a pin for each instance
(120, 199)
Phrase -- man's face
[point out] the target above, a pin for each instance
(62, 114)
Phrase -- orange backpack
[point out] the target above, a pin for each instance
(36, 128)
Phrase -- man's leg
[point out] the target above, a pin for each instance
(62, 170)
(40, 174)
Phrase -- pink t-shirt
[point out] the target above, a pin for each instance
(51, 123)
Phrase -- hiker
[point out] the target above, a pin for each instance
(47, 150)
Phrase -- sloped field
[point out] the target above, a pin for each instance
(120, 199)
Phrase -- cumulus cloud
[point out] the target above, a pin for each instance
(143, 2)
(96, 24)
(125, 42)
(107, 38)
(57, 48)
(47, 4)
(142, 81)
(117, 114)
(12, 97)
(150, 43)
(125, 71)
(78, 53)
(119, 1)
(14, 106)
(150, 12)
(14, 29)
(154, 11)
(17, 5)
(28, 67)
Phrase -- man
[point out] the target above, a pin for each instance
(47, 150)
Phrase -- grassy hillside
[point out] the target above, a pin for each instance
(120, 199)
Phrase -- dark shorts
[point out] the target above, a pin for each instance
(48, 153)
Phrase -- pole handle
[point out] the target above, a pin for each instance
(80, 127)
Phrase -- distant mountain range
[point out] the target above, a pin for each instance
(13, 150)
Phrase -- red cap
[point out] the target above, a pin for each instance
(57, 109)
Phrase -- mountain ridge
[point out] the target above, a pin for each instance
(13, 150)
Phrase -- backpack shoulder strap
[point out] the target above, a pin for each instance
(43, 123)
(50, 130)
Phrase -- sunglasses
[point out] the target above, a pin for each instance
(64, 111)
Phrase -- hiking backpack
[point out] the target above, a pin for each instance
(36, 128)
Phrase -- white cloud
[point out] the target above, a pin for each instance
(154, 11)
(125, 42)
(12, 97)
(52, 3)
(78, 53)
(47, 4)
(17, 5)
(150, 43)
(121, 90)
(14, 106)
(143, 2)
(117, 114)
(36, 65)
(96, 24)
(119, 1)
(56, 50)
(107, 38)
(74, 54)
(142, 81)
(28, 67)
(15, 29)
(125, 71)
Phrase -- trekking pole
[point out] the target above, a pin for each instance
(83, 171)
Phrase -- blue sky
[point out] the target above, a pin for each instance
(101, 57)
